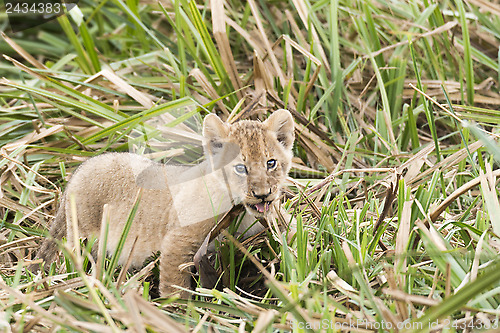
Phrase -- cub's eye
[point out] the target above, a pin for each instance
(271, 164)
(240, 169)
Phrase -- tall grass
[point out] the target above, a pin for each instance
(394, 189)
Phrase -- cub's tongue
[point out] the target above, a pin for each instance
(261, 207)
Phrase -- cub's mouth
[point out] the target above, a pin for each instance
(261, 207)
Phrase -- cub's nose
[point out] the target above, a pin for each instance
(260, 195)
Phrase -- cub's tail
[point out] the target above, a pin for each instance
(49, 250)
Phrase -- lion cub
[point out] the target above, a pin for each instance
(246, 162)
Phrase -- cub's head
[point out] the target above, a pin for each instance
(255, 157)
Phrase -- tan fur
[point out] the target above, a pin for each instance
(179, 205)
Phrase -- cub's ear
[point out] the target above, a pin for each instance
(214, 132)
(281, 122)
